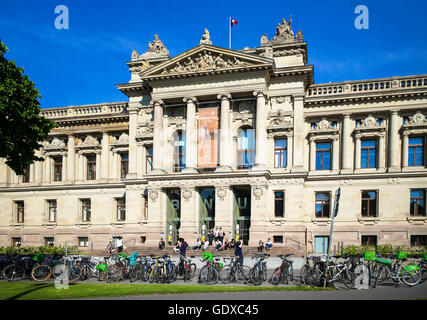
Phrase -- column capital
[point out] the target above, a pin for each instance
(157, 102)
(258, 93)
(394, 112)
(346, 114)
(189, 99)
(223, 95)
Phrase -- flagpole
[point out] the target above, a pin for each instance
(229, 34)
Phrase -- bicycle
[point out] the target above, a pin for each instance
(18, 267)
(258, 273)
(409, 274)
(210, 272)
(119, 269)
(234, 271)
(283, 273)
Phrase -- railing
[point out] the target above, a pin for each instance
(297, 242)
(378, 85)
(85, 110)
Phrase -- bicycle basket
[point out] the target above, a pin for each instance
(384, 261)
(38, 257)
(369, 255)
(425, 256)
(207, 255)
(402, 255)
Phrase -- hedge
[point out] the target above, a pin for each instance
(58, 250)
(383, 250)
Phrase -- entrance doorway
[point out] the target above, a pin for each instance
(242, 213)
(206, 211)
(173, 215)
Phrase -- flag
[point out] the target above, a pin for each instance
(233, 22)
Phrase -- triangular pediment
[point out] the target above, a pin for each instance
(206, 59)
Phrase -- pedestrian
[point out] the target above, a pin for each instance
(119, 244)
(260, 246)
(110, 248)
(238, 252)
(216, 233)
(210, 236)
(268, 244)
(161, 244)
(221, 234)
(183, 246)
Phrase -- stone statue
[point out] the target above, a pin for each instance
(155, 49)
(284, 30)
(206, 39)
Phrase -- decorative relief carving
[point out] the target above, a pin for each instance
(122, 140)
(89, 142)
(153, 194)
(417, 119)
(186, 194)
(55, 145)
(156, 49)
(221, 193)
(258, 192)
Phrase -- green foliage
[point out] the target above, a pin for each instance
(58, 250)
(383, 250)
(22, 128)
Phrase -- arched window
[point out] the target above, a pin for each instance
(245, 148)
(179, 151)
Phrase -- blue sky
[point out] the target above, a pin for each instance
(81, 65)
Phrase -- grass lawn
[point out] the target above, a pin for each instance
(47, 291)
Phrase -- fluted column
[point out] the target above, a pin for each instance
(260, 132)
(225, 149)
(394, 142)
(71, 161)
(157, 137)
(190, 136)
(105, 156)
(299, 135)
(347, 151)
(133, 118)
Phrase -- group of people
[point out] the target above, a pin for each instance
(267, 246)
(119, 245)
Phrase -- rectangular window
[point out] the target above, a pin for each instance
(277, 239)
(52, 210)
(323, 156)
(416, 151)
(26, 175)
(91, 167)
(368, 154)
(417, 203)
(369, 240)
(49, 241)
(86, 210)
(57, 169)
(418, 240)
(369, 203)
(20, 210)
(83, 241)
(322, 204)
(279, 203)
(124, 165)
(143, 239)
(280, 153)
(149, 159)
(16, 242)
(245, 148)
(121, 209)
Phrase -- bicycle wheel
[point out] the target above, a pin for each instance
(379, 276)
(13, 272)
(193, 268)
(256, 276)
(41, 273)
(208, 275)
(226, 274)
(74, 273)
(114, 273)
(313, 277)
(264, 272)
(409, 275)
(101, 275)
(153, 275)
(289, 276)
(242, 274)
(275, 277)
(134, 274)
(146, 272)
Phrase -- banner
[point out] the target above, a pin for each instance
(207, 138)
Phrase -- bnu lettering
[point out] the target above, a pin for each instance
(185, 310)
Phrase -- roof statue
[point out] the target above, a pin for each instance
(206, 39)
(156, 49)
(284, 33)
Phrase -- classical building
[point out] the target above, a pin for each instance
(240, 139)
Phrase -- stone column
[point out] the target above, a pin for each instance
(32, 173)
(64, 166)
(157, 137)
(394, 142)
(259, 214)
(346, 153)
(47, 171)
(357, 152)
(105, 156)
(405, 145)
(133, 119)
(225, 148)
(381, 152)
(335, 154)
(260, 132)
(189, 209)
(80, 169)
(71, 163)
(289, 157)
(312, 154)
(299, 139)
(224, 209)
(98, 165)
(190, 136)
(156, 225)
(115, 170)
(38, 168)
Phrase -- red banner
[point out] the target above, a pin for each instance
(207, 138)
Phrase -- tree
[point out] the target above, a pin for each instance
(22, 128)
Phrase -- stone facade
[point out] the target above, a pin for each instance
(114, 170)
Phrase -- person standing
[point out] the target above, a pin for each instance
(183, 246)
(210, 237)
(119, 244)
(238, 252)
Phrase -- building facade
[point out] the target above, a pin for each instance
(240, 139)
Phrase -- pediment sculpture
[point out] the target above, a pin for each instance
(204, 61)
(156, 49)
(55, 144)
(123, 139)
(89, 141)
(417, 119)
(280, 120)
(369, 122)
